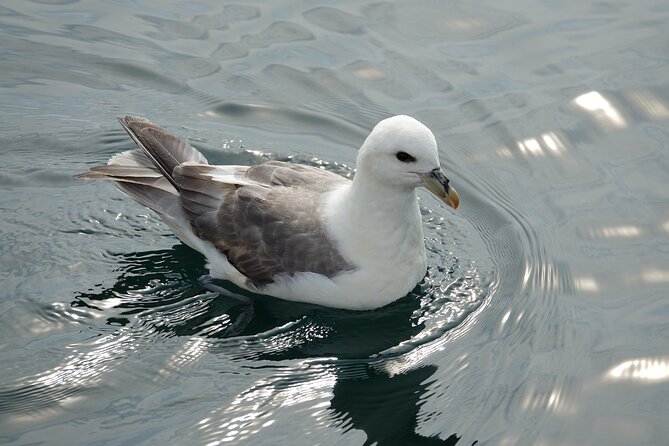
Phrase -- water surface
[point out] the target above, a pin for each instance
(543, 317)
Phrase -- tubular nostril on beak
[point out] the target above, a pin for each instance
(436, 182)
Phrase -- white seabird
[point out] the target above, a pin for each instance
(293, 231)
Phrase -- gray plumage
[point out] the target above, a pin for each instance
(263, 218)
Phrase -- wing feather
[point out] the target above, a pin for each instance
(265, 219)
(266, 222)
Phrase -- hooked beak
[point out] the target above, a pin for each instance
(436, 182)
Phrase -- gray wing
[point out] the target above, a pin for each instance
(267, 224)
(263, 218)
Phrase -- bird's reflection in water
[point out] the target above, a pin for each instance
(384, 407)
(157, 293)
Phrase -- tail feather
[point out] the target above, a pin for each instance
(129, 158)
(157, 200)
(113, 170)
(136, 175)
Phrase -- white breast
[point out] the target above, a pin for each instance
(385, 245)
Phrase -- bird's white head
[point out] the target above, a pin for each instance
(401, 153)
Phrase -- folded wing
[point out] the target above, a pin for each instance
(265, 219)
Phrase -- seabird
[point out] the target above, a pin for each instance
(289, 230)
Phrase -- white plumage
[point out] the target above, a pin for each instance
(292, 231)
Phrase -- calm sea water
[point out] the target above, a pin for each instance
(544, 317)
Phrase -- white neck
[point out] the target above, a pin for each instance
(377, 221)
(384, 208)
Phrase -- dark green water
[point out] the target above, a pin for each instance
(544, 318)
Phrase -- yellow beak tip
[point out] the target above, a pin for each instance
(453, 199)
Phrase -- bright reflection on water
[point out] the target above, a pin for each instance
(601, 109)
(543, 316)
(251, 412)
(547, 143)
(644, 369)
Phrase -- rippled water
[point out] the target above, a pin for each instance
(544, 315)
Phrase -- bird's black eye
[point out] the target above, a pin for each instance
(405, 157)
